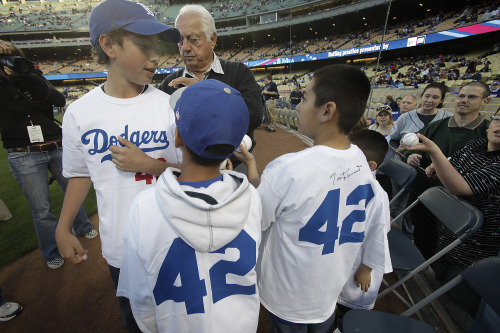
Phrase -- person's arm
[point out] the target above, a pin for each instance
(132, 159)
(447, 174)
(249, 160)
(363, 277)
(69, 246)
(251, 93)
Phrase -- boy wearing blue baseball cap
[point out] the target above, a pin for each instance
(120, 134)
(191, 242)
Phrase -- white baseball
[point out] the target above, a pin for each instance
(410, 139)
(246, 142)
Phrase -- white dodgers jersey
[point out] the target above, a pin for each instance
(320, 206)
(91, 125)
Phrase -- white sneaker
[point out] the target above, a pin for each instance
(91, 234)
(56, 263)
(9, 310)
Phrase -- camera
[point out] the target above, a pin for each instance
(18, 64)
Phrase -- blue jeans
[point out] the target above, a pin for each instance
(31, 172)
(327, 326)
(125, 308)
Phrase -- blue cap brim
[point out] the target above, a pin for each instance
(147, 27)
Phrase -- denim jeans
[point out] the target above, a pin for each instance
(31, 172)
(125, 308)
(325, 327)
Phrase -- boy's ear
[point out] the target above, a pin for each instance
(178, 140)
(328, 112)
(106, 44)
(373, 165)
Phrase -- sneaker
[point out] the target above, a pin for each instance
(56, 263)
(91, 234)
(9, 310)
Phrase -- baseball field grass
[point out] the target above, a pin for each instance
(17, 235)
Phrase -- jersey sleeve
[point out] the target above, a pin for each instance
(375, 245)
(270, 200)
(133, 281)
(74, 164)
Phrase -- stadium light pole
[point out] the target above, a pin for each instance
(291, 54)
(378, 57)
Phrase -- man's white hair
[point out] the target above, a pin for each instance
(207, 21)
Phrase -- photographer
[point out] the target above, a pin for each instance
(33, 143)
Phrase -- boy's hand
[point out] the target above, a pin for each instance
(363, 277)
(129, 158)
(70, 247)
(182, 81)
(245, 156)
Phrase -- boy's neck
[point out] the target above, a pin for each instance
(120, 88)
(196, 173)
(332, 138)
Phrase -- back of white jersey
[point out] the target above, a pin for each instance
(321, 205)
(174, 288)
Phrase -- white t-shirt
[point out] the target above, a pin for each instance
(320, 205)
(190, 255)
(93, 123)
(352, 296)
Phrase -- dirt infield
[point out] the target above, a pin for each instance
(80, 298)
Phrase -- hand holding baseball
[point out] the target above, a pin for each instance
(425, 145)
(410, 139)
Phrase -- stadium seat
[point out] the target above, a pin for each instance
(482, 276)
(456, 215)
(400, 172)
(295, 117)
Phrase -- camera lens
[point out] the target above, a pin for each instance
(18, 64)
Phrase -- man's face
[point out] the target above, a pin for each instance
(407, 104)
(470, 100)
(494, 87)
(194, 49)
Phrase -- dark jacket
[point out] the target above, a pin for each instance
(238, 76)
(29, 100)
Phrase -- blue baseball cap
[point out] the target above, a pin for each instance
(209, 113)
(132, 16)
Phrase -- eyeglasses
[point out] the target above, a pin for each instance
(495, 117)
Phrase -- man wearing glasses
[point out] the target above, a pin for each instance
(451, 134)
(471, 173)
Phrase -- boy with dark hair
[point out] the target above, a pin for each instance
(318, 216)
(372, 144)
(361, 289)
(191, 242)
(118, 127)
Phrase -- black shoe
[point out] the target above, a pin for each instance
(270, 130)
